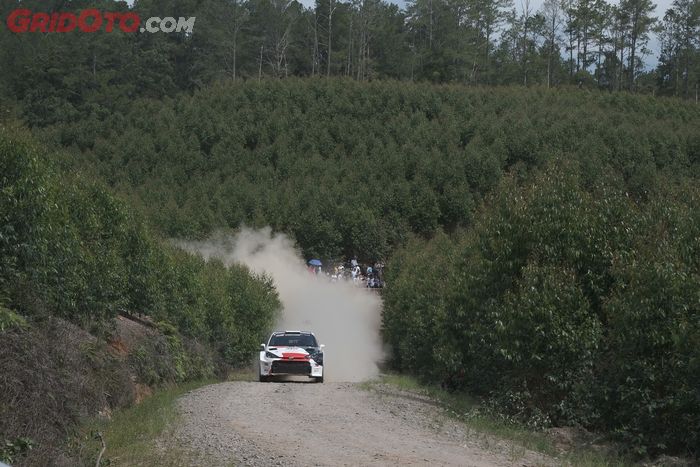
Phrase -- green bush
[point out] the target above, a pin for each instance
(649, 374)
(12, 449)
(54, 374)
(568, 302)
(74, 256)
(73, 250)
(415, 310)
(10, 320)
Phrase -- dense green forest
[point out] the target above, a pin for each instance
(74, 256)
(569, 302)
(542, 236)
(354, 169)
(542, 244)
(71, 249)
(591, 43)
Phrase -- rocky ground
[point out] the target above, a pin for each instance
(296, 423)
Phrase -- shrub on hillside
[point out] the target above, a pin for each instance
(72, 254)
(52, 375)
(415, 310)
(351, 168)
(568, 301)
(73, 250)
(650, 373)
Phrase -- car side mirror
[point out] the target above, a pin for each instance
(262, 346)
(322, 346)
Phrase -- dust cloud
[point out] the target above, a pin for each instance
(343, 317)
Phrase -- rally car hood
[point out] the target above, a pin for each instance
(289, 353)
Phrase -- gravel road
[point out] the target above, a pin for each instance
(293, 423)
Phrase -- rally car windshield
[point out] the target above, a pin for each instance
(293, 340)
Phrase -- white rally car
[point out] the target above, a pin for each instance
(291, 353)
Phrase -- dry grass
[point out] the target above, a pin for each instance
(138, 436)
(52, 375)
(465, 408)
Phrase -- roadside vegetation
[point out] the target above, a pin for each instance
(578, 449)
(138, 435)
(542, 245)
(75, 257)
(142, 434)
(569, 302)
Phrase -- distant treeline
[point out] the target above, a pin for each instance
(592, 43)
(354, 168)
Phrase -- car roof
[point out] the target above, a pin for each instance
(284, 333)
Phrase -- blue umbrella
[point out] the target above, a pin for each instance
(315, 262)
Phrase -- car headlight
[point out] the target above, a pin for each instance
(271, 355)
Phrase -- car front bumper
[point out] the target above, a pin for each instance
(282, 367)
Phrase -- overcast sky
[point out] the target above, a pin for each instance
(661, 5)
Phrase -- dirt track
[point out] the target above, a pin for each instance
(252, 423)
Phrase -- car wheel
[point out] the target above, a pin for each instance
(319, 379)
(263, 379)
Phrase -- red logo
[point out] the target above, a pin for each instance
(90, 20)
